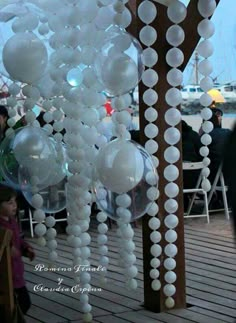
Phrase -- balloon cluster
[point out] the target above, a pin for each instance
(33, 162)
(70, 50)
(71, 56)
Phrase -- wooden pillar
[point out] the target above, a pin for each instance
(155, 300)
(6, 286)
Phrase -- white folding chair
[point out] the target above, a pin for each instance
(196, 166)
(23, 217)
(32, 221)
(219, 185)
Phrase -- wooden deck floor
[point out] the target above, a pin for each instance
(211, 281)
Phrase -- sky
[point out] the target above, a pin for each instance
(224, 41)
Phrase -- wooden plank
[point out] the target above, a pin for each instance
(137, 317)
(42, 314)
(210, 282)
(213, 269)
(207, 274)
(231, 251)
(195, 316)
(110, 318)
(211, 314)
(229, 304)
(212, 290)
(218, 309)
(30, 319)
(231, 262)
(209, 235)
(167, 317)
(213, 263)
(211, 251)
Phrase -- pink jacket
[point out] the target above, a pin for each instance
(19, 244)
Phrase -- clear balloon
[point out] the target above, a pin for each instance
(45, 174)
(25, 57)
(120, 165)
(9, 166)
(54, 197)
(135, 203)
(119, 65)
(32, 145)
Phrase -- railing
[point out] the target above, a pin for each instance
(6, 285)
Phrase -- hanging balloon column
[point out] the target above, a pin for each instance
(205, 50)
(174, 35)
(147, 12)
(71, 56)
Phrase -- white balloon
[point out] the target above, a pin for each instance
(206, 28)
(176, 11)
(25, 57)
(174, 57)
(147, 11)
(120, 166)
(150, 57)
(175, 35)
(148, 35)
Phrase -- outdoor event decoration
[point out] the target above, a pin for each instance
(205, 50)
(147, 13)
(70, 56)
(175, 36)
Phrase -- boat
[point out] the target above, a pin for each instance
(228, 91)
(191, 93)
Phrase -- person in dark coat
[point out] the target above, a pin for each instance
(219, 137)
(3, 121)
(191, 145)
(229, 170)
(19, 247)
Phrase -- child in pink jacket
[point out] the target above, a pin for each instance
(19, 248)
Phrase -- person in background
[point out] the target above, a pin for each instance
(218, 113)
(3, 121)
(135, 136)
(19, 248)
(191, 145)
(229, 170)
(219, 137)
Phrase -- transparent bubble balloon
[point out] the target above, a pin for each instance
(9, 166)
(32, 145)
(120, 165)
(54, 197)
(44, 173)
(135, 203)
(25, 57)
(119, 65)
(19, 16)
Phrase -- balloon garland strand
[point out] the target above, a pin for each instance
(205, 50)
(147, 13)
(175, 36)
(79, 55)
